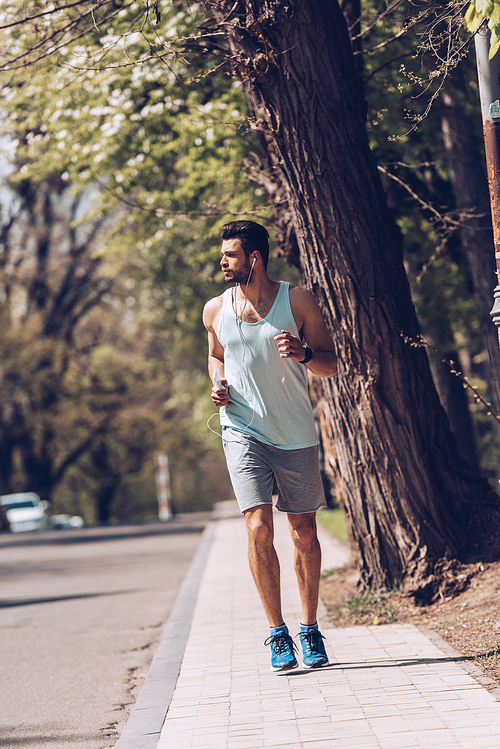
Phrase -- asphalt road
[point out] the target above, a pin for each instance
(81, 614)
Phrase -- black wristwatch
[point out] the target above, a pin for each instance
(308, 356)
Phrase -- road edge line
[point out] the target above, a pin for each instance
(144, 724)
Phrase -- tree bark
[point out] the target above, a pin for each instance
(352, 14)
(408, 497)
(108, 483)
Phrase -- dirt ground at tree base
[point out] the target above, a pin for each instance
(469, 622)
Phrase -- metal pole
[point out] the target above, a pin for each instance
(488, 72)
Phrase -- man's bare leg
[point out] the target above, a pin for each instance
(265, 569)
(307, 562)
(308, 567)
(263, 560)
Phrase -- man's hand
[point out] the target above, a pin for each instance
(289, 346)
(220, 394)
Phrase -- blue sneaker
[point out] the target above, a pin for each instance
(313, 651)
(282, 652)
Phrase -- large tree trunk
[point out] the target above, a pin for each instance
(108, 481)
(409, 500)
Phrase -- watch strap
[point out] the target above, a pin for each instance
(308, 356)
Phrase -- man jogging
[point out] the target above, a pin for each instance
(263, 336)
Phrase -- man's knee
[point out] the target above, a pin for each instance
(304, 530)
(259, 522)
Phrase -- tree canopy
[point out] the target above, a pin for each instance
(138, 103)
(154, 148)
(477, 12)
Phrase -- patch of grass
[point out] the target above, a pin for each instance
(373, 607)
(490, 659)
(333, 521)
(330, 572)
(368, 608)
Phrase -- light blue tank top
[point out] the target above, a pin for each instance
(269, 397)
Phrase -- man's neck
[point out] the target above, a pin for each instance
(255, 303)
(260, 289)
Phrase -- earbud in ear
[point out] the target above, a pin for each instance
(254, 261)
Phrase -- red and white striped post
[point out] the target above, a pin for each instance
(163, 487)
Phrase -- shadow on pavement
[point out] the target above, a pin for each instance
(41, 740)
(98, 534)
(386, 664)
(13, 602)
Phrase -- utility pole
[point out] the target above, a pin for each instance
(488, 72)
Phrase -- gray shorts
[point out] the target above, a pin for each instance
(253, 466)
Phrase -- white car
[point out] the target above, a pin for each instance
(66, 522)
(25, 511)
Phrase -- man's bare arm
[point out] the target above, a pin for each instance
(211, 312)
(310, 322)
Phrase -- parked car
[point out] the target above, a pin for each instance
(65, 522)
(4, 520)
(25, 511)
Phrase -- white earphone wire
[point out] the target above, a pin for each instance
(239, 321)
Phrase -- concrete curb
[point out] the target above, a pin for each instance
(475, 671)
(145, 722)
(144, 725)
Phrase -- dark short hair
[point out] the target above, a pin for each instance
(252, 236)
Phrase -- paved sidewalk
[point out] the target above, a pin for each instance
(388, 687)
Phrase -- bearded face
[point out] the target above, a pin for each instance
(234, 264)
(240, 275)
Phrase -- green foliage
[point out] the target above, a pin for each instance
(137, 108)
(157, 142)
(168, 134)
(334, 522)
(406, 76)
(477, 11)
(64, 386)
(373, 608)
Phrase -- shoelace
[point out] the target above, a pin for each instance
(281, 643)
(311, 639)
